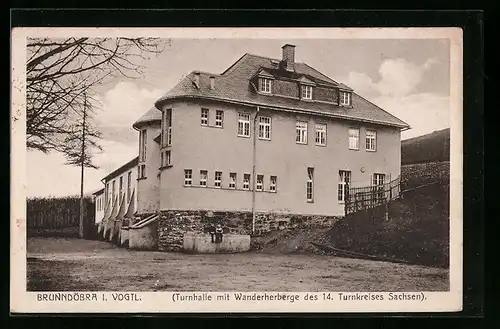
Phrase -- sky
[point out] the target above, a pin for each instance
(408, 78)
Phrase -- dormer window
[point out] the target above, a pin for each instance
(265, 85)
(306, 92)
(345, 98)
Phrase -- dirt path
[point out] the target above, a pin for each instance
(72, 264)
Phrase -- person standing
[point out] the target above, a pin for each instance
(218, 233)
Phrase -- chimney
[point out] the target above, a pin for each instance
(197, 79)
(212, 82)
(289, 56)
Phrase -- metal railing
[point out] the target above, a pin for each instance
(360, 198)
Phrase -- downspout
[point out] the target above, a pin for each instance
(253, 167)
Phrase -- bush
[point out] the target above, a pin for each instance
(59, 216)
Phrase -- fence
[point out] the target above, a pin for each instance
(359, 198)
(61, 216)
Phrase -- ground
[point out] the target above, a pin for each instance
(66, 264)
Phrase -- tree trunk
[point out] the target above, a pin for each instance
(81, 229)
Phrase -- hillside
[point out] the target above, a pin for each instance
(417, 230)
(426, 148)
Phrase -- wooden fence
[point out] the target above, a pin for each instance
(59, 216)
(359, 198)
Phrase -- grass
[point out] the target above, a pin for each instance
(56, 264)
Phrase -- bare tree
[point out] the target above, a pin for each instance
(60, 71)
(79, 145)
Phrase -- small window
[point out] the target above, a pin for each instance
(354, 139)
(343, 187)
(168, 158)
(265, 128)
(162, 163)
(142, 145)
(218, 179)
(244, 124)
(272, 184)
(301, 128)
(246, 181)
(306, 92)
(345, 98)
(219, 118)
(141, 171)
(265, 85)
(371, 140)
(309, 185)
(188, 177)
(232, 180)
(204, 117)
(129, 185)
(169, 136)
(260, 183)
(203, 177)
(321, 134)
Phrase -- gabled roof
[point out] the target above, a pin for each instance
(131, 164)
(233, 85)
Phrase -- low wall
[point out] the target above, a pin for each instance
(202, 243)
(124, 236)
(173, 224)
(144, 236)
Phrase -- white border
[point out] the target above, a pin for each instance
(152, 302)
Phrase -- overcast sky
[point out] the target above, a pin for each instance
(408, 78)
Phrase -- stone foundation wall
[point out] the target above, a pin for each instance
(173, 224)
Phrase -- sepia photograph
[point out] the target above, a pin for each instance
(239, 164)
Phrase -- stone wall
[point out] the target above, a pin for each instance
(173, 224)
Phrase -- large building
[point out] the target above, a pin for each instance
(267, 142)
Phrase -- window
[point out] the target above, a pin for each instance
(260, 183)
(345, 98)
(168, 158)
(321, 134)
(265, 128)
(121, 189)
(218, 179)
(265, 85)
(203, 177)
(142, 145)
(129, 185)
(204, 117)
(113, 192)
(219, 118)
(163, 125)
(244, 124)
(106, 192)
(371, 140)
(378, 183)
(188, 177)
(309, 185)
(272, 184)
(354, 139)
(141, 171)
(306, 92)
(169, 136)
(343, 187)
(232, 180)
(162, 163)
(301, 132)
(246, 181)
(378, 179)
